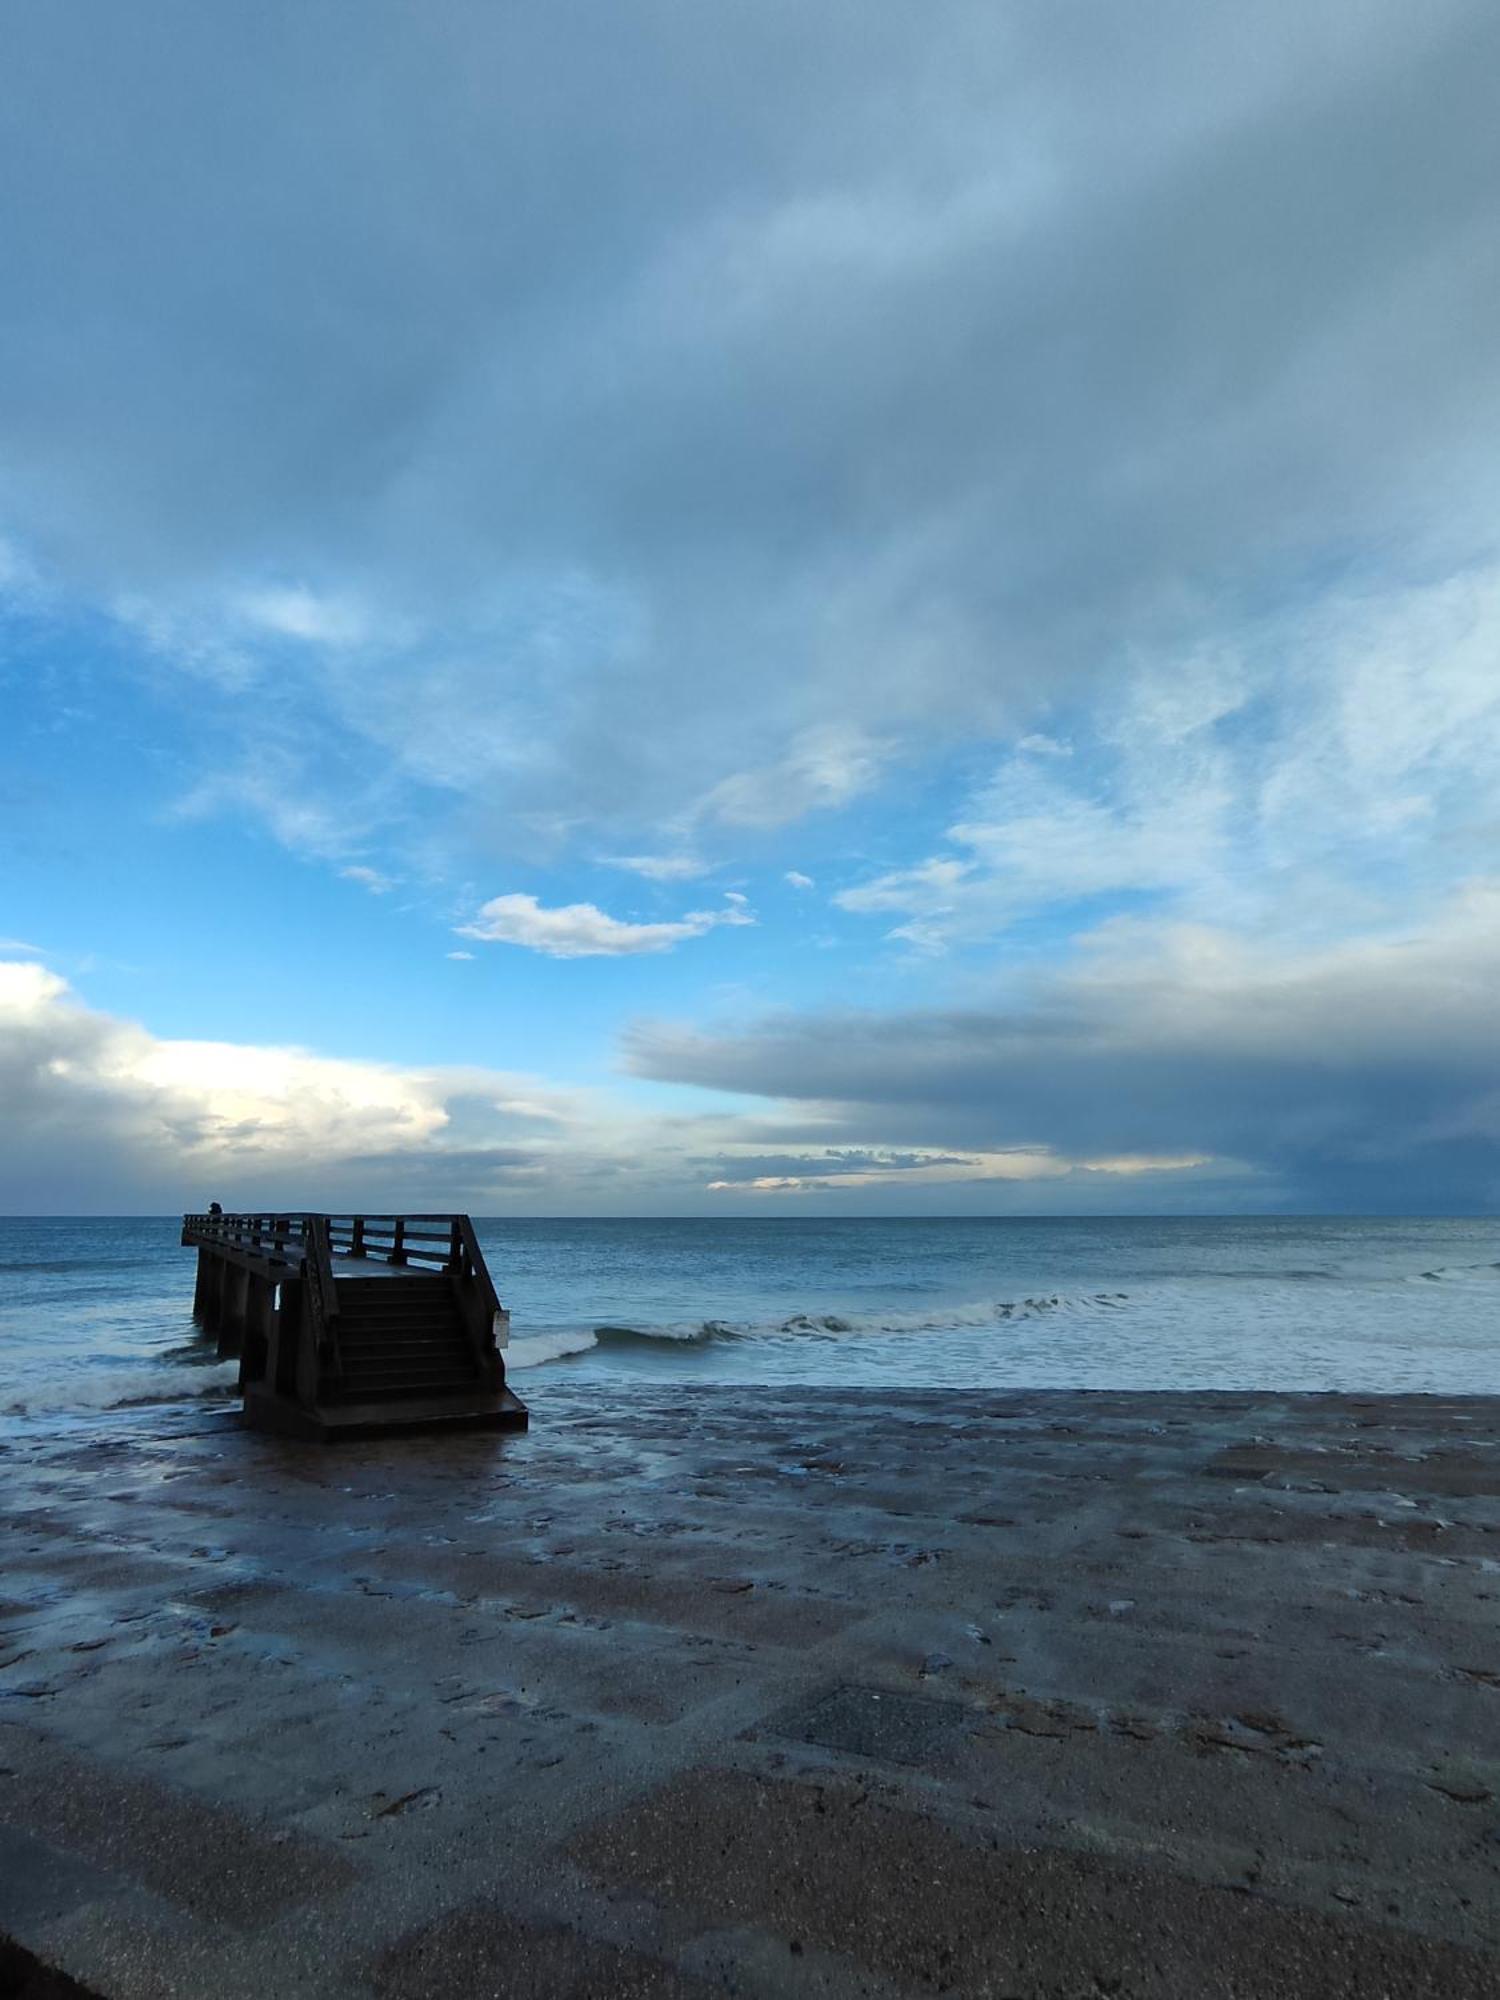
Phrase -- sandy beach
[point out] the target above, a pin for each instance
(689, 1692)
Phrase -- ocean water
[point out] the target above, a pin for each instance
(95, 1314)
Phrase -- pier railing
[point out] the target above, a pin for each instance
(277, 1249)
(446, 1241)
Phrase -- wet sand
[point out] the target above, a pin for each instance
(689, 1692)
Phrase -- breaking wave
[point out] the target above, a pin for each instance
(536, 1350)
(119, 1388)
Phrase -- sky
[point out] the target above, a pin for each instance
(759, 609)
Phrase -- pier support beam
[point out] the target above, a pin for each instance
(235, 1291)
(202, 1285)
(259, 1320)
(208, 1293)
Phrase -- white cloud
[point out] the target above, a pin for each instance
(462, 955)
(798, 880)
(103, 1113)
(582, 930)
(295, 613)
(822, 769)
(1332, 765)
(369, 878)
(660, 867)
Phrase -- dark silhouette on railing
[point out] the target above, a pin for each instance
(327, 1352)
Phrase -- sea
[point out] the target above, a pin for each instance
(95, 1313)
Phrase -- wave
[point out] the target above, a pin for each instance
(1461, 1274)
(120, 1388)
(564, 1344)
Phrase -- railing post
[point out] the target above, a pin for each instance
(455, 1248)
(357, 1236)
(398, 1242)
(321, 1309)
(232, 1312)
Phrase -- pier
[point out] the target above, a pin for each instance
(354, 1325)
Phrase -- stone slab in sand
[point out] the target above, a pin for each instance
(690, 1692)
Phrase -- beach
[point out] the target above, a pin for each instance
(701, 1689)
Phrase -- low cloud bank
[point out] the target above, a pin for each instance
(1364, 1075)
(103, 1116)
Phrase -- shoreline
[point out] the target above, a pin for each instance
(684, 1690)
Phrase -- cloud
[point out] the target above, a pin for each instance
(103, 1115)
(660, 867)
(844, 390)
(462, 955)
(1326, 767)
(292, 613)
(581, 930)
(369, 878)
(862, 1167)
(1358, 1074)
(798, 880)
(819, 771)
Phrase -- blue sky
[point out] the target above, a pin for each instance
(630, 611)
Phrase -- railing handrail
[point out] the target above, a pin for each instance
(319, 1236)
(251, 1231)
(473, 1257)
(317, 1265)
(373, 1215)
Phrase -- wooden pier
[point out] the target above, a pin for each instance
(350, 1325)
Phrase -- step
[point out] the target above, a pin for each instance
(389, 1290)
(410, 1371)
(404, 1309)
(407, 1309)
(395, 1329)
(433, 1309)
(389, 1298)
(442, 1339)
(407, 1357)
(370, 1392)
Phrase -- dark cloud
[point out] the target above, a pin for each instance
(1365, 1077)
(896, 364)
